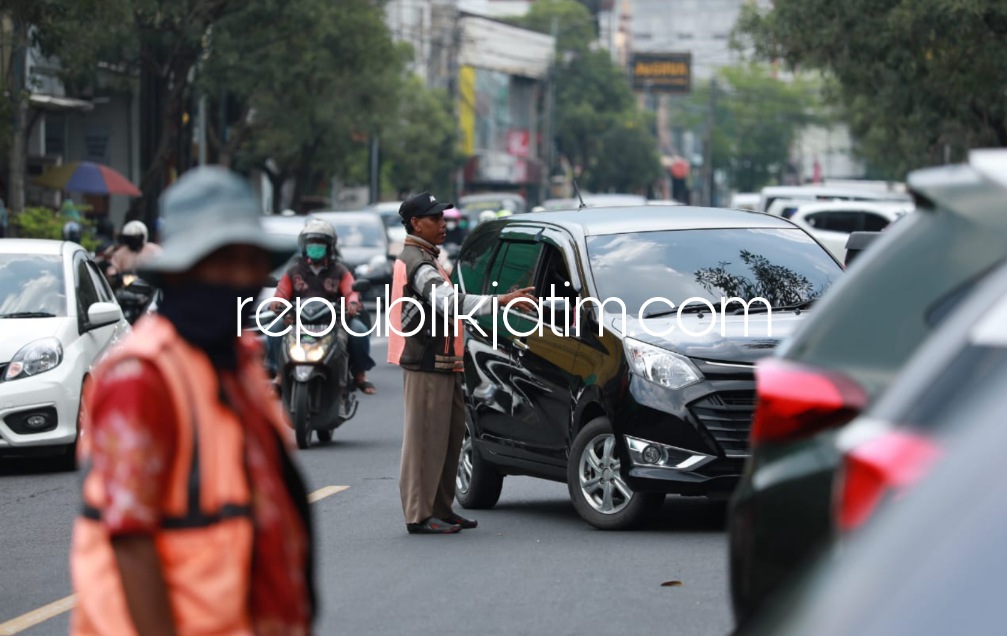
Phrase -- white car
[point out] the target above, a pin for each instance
(58, 315)
(831, 223)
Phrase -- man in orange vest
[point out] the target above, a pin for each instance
(431, 361)
(194, 518)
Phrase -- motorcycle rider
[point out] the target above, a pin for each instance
(71, 232)
(134, 249)
(319, 272)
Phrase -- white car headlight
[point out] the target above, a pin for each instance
(660, 366)
(34, 358)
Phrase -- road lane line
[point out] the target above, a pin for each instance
(63, 605)
(42, 614)
(326, 491)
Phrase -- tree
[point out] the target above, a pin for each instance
(756, 118)
(598, 125)
(311, 89)
(419, 147)
(70, 30)
(915, 80)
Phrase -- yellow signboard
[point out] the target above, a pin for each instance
(662, 72)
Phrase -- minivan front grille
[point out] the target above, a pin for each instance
(727, 416)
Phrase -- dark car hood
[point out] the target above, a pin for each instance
(733, 346)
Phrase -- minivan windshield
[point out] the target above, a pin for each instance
(31, 286)
(784, 266)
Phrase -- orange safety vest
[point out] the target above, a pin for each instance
(423, 351)
(205, 540)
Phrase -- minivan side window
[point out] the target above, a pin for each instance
(473, 266)
(514, 266)
(835, 221)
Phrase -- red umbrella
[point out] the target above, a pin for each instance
(87, 178)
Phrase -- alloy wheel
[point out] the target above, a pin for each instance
(463, 480)
(599, 477)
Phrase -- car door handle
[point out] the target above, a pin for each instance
(520, 345)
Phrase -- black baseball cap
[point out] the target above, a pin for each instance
(422, 204)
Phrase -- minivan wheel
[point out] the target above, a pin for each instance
(478, 483)
(597, 489)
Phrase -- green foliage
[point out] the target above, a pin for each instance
(313, 86)
(598, 126)
(44, 223)
(756, 118)
(913, 78)
(418, 146)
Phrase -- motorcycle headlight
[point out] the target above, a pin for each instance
(660, 366)
(34, 358)
(310, 349)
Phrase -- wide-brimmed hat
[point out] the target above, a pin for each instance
(209, 208)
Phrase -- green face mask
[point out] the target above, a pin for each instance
(316, 252)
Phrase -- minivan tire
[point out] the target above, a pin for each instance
(485, 481)
(625, 514)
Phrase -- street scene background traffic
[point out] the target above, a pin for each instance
(821, 461)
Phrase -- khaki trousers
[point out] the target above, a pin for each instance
(431, 443)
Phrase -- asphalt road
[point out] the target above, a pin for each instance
(532, 566)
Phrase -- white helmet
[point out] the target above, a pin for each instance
(317, 230)
(487, 215)
(134, 235)
(135, 228)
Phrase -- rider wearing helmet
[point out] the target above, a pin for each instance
(134, 249)
(319, 273)
(71, 232)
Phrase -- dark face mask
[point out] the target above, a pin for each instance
(134, 243)
(206, 315)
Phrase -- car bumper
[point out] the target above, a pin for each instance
(55, 395)
(700, 432)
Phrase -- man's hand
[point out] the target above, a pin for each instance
(352, 309)
(525, 299)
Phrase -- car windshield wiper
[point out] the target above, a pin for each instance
(688, 309)
(762, 308)
(28, 314)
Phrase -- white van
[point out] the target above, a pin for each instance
(820, 193)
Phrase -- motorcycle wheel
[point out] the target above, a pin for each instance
(299, 402)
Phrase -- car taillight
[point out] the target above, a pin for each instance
(796, 400)
(882, 466)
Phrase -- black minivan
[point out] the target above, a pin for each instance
(635, 379)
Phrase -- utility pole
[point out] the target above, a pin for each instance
(707, 172)
(16, 89)
(550, 116)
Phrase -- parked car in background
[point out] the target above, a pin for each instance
(362, 240)
(58, 315)
(770, 194)
(472, 204)
(389, 212)
(847, 355)
(595, 201)
(622, 415)
(831, 223)
(745, 201)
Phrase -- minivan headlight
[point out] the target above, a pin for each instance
(660, 366)
(34, 358)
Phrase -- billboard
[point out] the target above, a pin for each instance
(662, 72)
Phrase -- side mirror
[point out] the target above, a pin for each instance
(103, 314)
(362, 285)
(857, 243)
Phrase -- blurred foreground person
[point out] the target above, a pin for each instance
(195, 520)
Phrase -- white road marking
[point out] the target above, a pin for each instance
(63, 605)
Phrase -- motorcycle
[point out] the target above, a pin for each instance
(136, 297)
(316, 385)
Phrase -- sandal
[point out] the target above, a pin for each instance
(366, 387)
